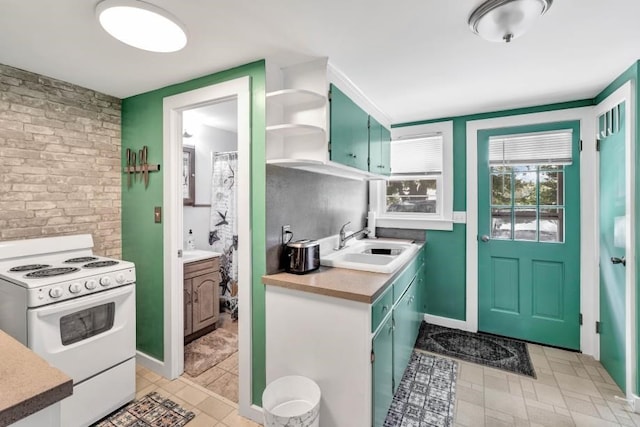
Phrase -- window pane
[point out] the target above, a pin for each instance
(501, 223)
(551, 188)
(501, 189)
(525, 188)
(86, 323)
(415, 195)
(526, 224)
(551, 225)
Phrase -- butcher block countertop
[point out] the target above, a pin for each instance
(354, 285)
(27, 382)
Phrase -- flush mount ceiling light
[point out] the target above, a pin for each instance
(505, 20)
(142, 25)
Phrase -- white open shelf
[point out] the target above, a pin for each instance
(293, 129)
(297, 98)
(326, 168)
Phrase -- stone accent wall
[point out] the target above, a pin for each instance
(59, 161)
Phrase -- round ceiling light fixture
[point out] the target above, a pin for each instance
(142, 25)
(505, 20)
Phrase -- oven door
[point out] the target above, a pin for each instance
(87, 335)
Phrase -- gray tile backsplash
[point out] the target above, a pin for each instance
(314, 205)
(401, 233)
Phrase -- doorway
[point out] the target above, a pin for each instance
(529, 227)
(210, 230)
(174, 236)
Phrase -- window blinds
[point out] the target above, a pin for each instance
(540, 148)
(416, 156)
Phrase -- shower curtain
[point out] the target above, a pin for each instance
(223, 231)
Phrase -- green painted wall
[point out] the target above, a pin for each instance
(446, 250)
(632, 74)
(142, 239)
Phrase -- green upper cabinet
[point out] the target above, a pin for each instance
(379, 148)
(349, 139)
(385, 151)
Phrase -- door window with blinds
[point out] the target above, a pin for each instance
(415, 184)
(527, 185)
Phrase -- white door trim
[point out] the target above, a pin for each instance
(173, 106)
(587, 212)
(624, 94)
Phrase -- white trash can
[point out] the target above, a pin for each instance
(291, 401)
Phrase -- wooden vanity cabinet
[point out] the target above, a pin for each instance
(201, 297)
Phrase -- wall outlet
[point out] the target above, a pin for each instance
(286, 234)
(460, 217)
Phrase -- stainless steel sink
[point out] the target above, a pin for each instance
(370, 255)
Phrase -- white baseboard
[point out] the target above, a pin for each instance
(254, 413)
(635, 405)
(152, 364)
(448, 323)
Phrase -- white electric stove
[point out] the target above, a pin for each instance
(77, 311)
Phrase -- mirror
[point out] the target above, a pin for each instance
(188, 175)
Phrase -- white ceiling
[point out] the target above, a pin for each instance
(414, 59)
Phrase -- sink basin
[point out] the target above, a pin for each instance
(374, 256)
(198, 255)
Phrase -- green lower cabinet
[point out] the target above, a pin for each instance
(382, 371)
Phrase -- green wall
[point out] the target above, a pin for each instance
(446, 250)
(631, 74)
(142, 239)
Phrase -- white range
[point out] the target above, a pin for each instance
(77, 311)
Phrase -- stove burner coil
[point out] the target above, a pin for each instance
(50, 272)
(29, 267)
(99, 264)
(80, 259)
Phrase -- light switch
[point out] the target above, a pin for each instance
(459, 217)
(157, 214)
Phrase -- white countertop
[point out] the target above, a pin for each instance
(197, 255)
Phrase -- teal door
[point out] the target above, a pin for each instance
(529, 233)
(382, 372)
(349, 131)
(612, 246)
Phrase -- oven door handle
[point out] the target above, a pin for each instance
(83, 302)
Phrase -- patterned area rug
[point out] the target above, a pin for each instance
(152, 410)
(426, 394)
(209, 350)
(484, 349)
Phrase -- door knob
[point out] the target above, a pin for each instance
(616, 260)
(484, 238)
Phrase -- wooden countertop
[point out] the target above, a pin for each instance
(27, 382)
(355, 285)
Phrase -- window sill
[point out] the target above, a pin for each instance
(415, 223)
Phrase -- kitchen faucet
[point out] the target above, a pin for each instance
(344, 238)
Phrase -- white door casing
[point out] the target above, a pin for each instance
(588, 238)
(173, 364)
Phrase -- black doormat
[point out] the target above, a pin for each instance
(426, 394)
(484, 349)
(152, 410)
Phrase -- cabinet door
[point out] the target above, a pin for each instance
(382, 372)
(205, 300)
(375, 149)
(385, 151)
(349, 131)
(403, 339)
(188, 308)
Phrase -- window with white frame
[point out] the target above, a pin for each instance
(419, 192)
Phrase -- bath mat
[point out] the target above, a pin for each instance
(484, 349)
(426, 395)
(152, 410)
(209, 350)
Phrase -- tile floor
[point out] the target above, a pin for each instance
(222, 378)
(211, 410)
(571, 389)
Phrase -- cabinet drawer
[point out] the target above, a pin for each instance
(381, 308)
(198, 268)
(404, 280)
